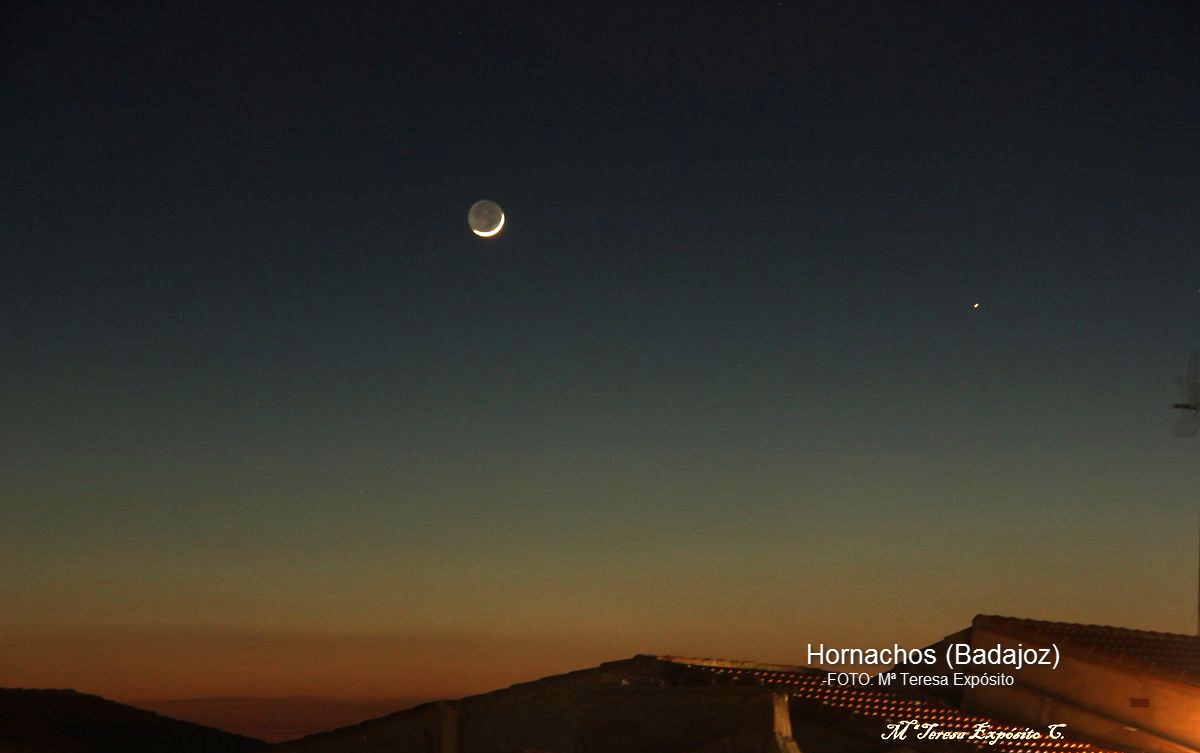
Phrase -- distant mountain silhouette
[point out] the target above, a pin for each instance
(280, 718)
(63, 721)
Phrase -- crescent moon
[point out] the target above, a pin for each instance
(490, 233)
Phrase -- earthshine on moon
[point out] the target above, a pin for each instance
(486, 218)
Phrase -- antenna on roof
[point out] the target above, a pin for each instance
(1186, 426)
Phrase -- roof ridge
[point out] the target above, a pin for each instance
(1051, 624)
(738, 664)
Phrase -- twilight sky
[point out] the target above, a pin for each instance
(273, 422)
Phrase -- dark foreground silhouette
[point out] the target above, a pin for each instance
(63, 721)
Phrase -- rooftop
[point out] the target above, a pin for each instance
(868, 709)
(1168, 655)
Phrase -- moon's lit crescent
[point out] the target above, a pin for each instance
(490, 233)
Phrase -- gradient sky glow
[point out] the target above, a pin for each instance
(275, 422)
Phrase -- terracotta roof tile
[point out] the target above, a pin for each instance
(1167, 654)
(874, 707)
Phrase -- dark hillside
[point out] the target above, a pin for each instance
(63, 721)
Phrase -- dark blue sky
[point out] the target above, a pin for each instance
(257, 371)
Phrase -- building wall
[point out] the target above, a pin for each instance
(621, 719)
(1037, 710)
